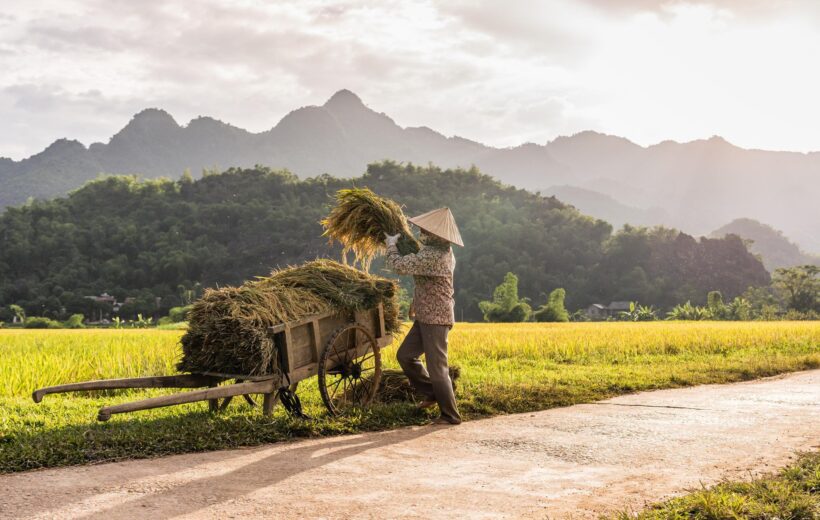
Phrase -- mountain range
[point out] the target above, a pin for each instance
(695, 186)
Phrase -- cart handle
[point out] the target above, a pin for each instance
(175, 381)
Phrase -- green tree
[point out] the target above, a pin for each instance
(763, 302)
(800, 286)
(554, 309)
(506, 306)
(717, 309)
(18, 311)
(741, 309)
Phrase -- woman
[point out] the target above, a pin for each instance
(433, 309)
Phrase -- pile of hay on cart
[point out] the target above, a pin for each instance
(228, 328)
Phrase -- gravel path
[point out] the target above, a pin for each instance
(577, 461)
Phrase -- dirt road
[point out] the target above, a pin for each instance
(575, 461)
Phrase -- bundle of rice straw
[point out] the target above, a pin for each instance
(359, 221)
(228, 327)
(395, 387)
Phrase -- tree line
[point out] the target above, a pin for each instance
(794, 294)
(159, 242)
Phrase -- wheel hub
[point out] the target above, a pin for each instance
(353, 370)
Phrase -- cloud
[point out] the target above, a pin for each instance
(537, 25)
(34, 115)
(496, 72)
(740, 7)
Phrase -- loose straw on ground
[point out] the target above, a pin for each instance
(394, 386)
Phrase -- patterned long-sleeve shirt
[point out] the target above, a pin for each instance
(432, 270)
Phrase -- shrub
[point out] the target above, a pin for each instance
(638, 312)
(40, 323)
(178, 314)
(793, 315)
(142, 322)
(75, 321)
(505, 306)
(687, 311)
(554, 309)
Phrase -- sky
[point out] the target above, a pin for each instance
(502, 73)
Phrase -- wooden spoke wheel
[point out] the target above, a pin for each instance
(350, 369)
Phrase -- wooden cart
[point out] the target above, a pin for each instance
(343, 350)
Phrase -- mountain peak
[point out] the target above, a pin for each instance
(153, 117)
(64, 145)
(152, 122)
(344, 98)
(206, 122)
(588, 137)
(153, 113)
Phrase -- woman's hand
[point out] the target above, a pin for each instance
(391, 240)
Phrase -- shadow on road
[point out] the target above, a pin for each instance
(278, 466)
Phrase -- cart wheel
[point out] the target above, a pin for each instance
(350, 369)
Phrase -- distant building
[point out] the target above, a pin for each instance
(110, 300)
(103, 298)
(616, 307)
(597, 311)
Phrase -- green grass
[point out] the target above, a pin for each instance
(506, 368)
(792, 494)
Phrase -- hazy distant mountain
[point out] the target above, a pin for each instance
(774, 249)
(701, 184)
(697, 185)
(606, 208)
(340, 137)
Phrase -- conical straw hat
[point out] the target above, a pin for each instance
(439, 222)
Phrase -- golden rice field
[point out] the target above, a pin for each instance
(506, 368)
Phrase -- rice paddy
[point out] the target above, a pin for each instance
(505, 368)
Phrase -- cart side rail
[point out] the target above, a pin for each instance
(301, 342)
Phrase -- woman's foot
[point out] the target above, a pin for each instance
(427, 403)
(445, 421)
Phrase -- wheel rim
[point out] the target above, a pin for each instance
(349, 369)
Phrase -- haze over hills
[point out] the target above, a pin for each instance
(607, 208)
(774, 249)
(695, 186)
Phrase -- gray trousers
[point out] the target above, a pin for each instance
(434, 381)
